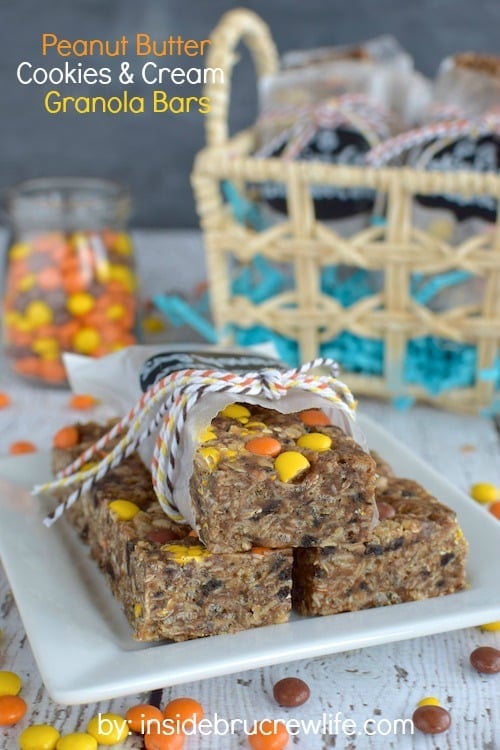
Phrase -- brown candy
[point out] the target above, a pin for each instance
(486, 660)
(431, 719)
(161, 536)
(385, 510)
(291, 691)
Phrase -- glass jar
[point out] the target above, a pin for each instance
(70, 282)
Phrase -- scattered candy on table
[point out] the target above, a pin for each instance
(12, 709)
(494, 509)
(486, 660)
(485, 492)
(22, 446)
(431, 719)
(268, 735)
(39, 737)
(10, 683)
(429, 700)
(183, 709)
(108, 728)
(143, 717)
(491, 626)
(77, 741)
(4, 400)
(82, 401)
(291, 692)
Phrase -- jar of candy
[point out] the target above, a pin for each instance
(70, 283)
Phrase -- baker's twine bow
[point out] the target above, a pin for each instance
(299, 125)
(164, 409)
(440, 130)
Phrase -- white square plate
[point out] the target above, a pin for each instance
(81, 640)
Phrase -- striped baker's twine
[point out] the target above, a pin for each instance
(164, 409)
(446, 130)
(349, 109)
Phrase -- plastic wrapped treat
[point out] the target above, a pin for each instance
(334, 105)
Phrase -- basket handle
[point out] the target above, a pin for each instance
(235, 26)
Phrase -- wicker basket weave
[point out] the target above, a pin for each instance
(397, 248)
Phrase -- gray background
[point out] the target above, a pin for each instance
(152, 153)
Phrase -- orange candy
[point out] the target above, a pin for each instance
(66, 437)
(12, 709)
(49, 278)
(4, 400)
(29, 366)
(82, 401)
(495, 509)
(314, 417)
(53, 371)
(182, 709)
(268, 735)
(144, 718)
(21, 446)
(159, 741)
(264, 446)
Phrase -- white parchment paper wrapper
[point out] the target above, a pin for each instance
(115, 380)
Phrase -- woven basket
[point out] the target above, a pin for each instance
(397, 249)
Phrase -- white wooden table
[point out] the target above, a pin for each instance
(383, 682)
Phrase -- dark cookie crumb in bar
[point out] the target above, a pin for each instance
(416, 554)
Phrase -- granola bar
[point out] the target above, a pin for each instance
(417, 551)
(315, 488)
(169, 584)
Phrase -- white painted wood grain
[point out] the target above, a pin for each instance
(384, 682)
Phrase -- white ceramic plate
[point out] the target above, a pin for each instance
(81, 640)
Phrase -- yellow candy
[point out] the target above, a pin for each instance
(429, 700)
(122, 244)
(108, 729)
(77, 741)
(39, 737)
(86, 340)
(19, 251)
(123, 275)
(47, 348)
(10, 683)
(26, 282)
(24, 325)
(102, 271)
(235, 411)
(115, 312)
(207, 435)
(290, 464)
(315, 441)
(183, 554)
(137, 609)
(492, 626)
(153, 324)
(484, 492)
(211, 456)
(124, 509)
(80, 303)
(39, 313)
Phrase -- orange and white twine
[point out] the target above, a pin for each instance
(164, 408)
(441, 130)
